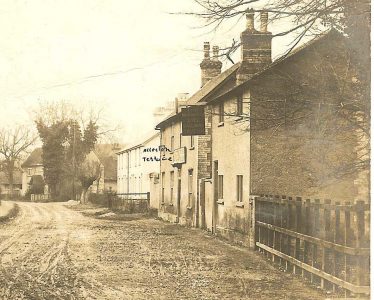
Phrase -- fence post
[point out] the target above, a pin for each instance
(254, 231)
(307, 230)
(259, 208)
(276, 220)
(272, 217)
(337, 240)
(316, 227)
(360, 214)
(325, 251)
(288, 243)
(347, 242)
(298, 204)
(283, 224)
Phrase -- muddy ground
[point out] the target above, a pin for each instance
(52, 252)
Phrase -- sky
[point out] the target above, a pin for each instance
(127, 57)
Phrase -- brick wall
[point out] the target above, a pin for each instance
(204, 147)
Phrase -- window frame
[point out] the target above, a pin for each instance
(239, 105)
(162, 187)
(220, 195)
(172, 176)
(221, 112)
(172, 143)
(239, 188)
(190, 186)
(192, 142)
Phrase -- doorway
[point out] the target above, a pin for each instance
(215, 196)
(179, 196)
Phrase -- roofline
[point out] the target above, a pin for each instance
(173, 116)
(138, 145)
(31, 165)
(280, 60)
(169, 119)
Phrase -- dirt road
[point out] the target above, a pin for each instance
(52, 252)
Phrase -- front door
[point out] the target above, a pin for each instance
(215, 197)
(179, 199)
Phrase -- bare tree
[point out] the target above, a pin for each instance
(14, 142)
(49, 112)
(305, 17)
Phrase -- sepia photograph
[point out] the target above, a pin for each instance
(189, 149)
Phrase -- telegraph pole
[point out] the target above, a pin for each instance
(74, 168)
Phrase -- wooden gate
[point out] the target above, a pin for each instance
(326, 243)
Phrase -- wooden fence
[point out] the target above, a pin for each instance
(129, 202)
(326, 243)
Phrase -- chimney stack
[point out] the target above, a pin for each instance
(215, 53)
(250, 16)
(256, 47)
(264, 21)
(210, 68)
(206, 50)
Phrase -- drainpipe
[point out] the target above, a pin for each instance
(128, 172)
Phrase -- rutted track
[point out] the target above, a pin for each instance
(52, 252)
(34, 255)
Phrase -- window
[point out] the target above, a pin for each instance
(171, 186)
(239, 188)
(135, 158)
(192, 142)
(180, 140)
(190, 187)
(220, 186)
(239, 105)
(29, 171)
(163, 187)
(172, 143)
(221, 112)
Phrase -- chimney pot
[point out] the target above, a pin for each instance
(206, 50)
(210, 68)
(264, 17)
(250, 16)
(215, 53)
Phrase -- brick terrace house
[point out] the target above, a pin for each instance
(270, 127)
(191, 163)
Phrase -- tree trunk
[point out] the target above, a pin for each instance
(10, 171)
(11, 185)
(84, 196)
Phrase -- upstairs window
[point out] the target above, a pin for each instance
(221, 112)
(239, 188)
(220, 187)
(190, 187)
(239, 105)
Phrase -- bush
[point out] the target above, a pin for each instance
(98, 199)
(110, 200)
